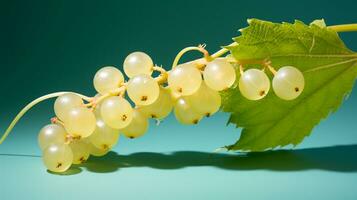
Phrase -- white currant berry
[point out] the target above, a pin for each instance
(254, 84)
(138, 63)
(219, 74)
(80, 150)
(288, 83)
(185, 79)
(80, 122)
(205, 101)
(66, 102)
(185, 113)
(52, 133)
(161, 108)
(104, 137)
(137, 127)
(143, 89)
(57, 157)
(116, 112)
(107, 79)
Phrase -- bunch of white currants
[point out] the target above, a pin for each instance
(80, 130)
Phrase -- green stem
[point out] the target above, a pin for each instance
(344, 27)
(29, 106)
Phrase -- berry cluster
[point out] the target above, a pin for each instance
(80, 130)
(192, 90)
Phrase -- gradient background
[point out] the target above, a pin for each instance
(48, 46)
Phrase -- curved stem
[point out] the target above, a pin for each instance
(159, 69)
(162, 78)
(30, 105)
(200, 48)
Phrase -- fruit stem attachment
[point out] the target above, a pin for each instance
(267, 64)
(200, 48)
(116, 92)
(163, 74)
(30, 105)
(55, 120)
(241, 69)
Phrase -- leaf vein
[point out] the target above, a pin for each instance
(322, 67)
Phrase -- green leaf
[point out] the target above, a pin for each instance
(329, 68)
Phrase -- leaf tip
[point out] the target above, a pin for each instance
(319, 22)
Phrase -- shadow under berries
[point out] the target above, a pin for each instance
(335, 158)
(340, 158)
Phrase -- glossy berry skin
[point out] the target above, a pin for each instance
(288, 83)
(107, 79)
(138, 63)
(143, 89)
(254, 84)
(219, 75)
(185, 79)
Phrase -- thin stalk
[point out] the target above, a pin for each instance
(200, 48)
(344, 27)
(29, 106)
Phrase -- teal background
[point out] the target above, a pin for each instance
(48, 46)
